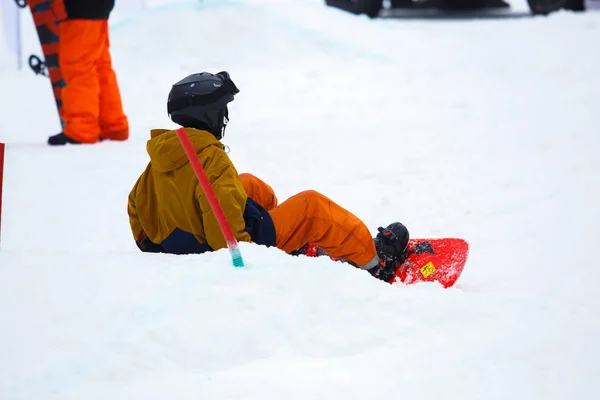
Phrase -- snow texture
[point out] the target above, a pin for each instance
(483, 128)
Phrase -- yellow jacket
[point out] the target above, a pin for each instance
(168, 196)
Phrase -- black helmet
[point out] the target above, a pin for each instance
(200, 101)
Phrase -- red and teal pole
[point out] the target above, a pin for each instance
(232, 244)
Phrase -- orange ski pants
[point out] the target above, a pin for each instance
(311, 217)
(92, 107)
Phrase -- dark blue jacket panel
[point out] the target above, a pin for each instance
(259, 224)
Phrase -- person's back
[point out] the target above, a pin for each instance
(168, 211)
(168, 205)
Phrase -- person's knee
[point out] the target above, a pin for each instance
(248, 182)
(313, 195)
(246, 177)
(313, 199)
(258, 190)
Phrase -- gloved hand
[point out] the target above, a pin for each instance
(146, 245)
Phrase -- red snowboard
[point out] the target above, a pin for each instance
(433, 260)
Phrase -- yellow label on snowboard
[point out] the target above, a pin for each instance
(427, 269)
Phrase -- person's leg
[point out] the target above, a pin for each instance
(259, 191)
(113, 122)
(80, 44)
(310, 217)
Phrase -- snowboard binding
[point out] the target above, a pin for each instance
(37, 65)
(391, 243)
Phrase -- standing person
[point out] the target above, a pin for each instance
(169, 212)
(92, 107)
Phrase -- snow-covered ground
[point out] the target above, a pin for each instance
(486, 129)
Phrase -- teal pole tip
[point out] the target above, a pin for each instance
(236, 257)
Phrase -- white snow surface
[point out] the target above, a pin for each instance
(486, 129)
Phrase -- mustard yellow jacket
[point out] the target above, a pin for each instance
(168, 199)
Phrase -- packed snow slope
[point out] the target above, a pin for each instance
(485, 129)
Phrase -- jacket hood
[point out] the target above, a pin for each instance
(166, 152)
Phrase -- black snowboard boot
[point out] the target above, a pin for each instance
(60, 140)
(391, 243)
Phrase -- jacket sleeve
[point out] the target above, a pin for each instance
(134, 220)
(230, 193)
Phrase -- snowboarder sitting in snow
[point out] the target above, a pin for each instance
(169, 213)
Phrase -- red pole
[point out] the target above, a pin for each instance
(212, 198)
(1, 179)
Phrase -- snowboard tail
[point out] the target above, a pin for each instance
(433, 260)
(47, 15)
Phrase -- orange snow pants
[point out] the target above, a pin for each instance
(310, 217)
(92, 107)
